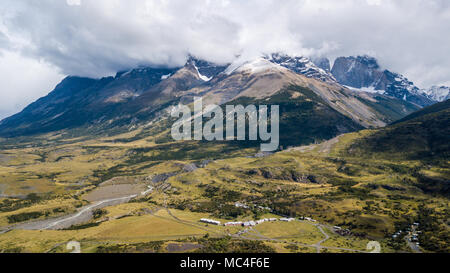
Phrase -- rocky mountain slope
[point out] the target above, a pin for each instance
(364, 73)
(421, 135)
(77, 101)
(304, 66)
(137, 97)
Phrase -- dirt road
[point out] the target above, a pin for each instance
(82, 216)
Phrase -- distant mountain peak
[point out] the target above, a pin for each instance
(370, 61)
(364, 73)
(437, 93)
(206, 70)
(280, 62)
(253, 66)
(301, 65)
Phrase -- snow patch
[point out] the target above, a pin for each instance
(202, 77)
(301, 65)
(352, 66)
(255, 66)
(369, 89)
(126, 73)
(164, 77)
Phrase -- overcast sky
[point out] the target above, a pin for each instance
(43, 41)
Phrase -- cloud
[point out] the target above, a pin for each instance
(73, 2)
(98, 38)
(23, 80)
(4, 42)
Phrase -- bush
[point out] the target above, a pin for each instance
(16, 218)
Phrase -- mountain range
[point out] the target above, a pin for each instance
(354, 94)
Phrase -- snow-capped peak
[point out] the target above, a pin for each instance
(301, 65)
(279, 61)
(257, 65)
(437, 93)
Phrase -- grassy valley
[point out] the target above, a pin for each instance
(353, 192)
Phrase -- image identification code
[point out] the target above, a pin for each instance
(226, 263)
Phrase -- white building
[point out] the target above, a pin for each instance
(209, 221)
(233, 224)
(249, 224)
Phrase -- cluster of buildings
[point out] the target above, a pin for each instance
(251, 223)
(244, 206)
(231, 224)
(256, 222)
(414, 234)
(341, 231)
(247, 223)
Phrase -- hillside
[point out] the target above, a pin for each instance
(351, 198)
(77, 101)
(136, 98)
(305, 117)
(422, 135)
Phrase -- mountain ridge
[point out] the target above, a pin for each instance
(423, 135)
(142, 94)
(365, 74)
(437, 93)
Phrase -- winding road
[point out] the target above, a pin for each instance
(82, 216)
(318, 245)
(87, 210)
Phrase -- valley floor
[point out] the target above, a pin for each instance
(132, 194)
